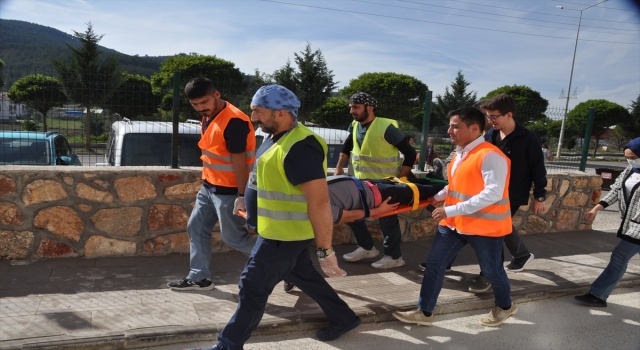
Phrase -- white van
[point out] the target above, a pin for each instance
(148, 143)
(333, 137)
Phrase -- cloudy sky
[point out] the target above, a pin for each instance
(493, 42)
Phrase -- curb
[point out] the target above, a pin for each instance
(167, 335)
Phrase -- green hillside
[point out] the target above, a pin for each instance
(27, 48)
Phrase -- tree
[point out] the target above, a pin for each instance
(617, 137)
(133, 98)
(39, 92)
(85, 81)
(399, 96)
(631, 126)
(225, 76)
(530, 106)
(458, 97)
(334, 113)
(1, 77)
(541, 127)
(607, 114)
(312, 81)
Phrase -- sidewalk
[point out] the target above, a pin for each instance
(124, 302)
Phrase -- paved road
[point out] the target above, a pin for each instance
(546, 324)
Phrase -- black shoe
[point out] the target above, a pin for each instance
(423, 267)
(187, 284)
(590, 300)
(518, 265)
(479, 284)
(288, 286)
(332, 333)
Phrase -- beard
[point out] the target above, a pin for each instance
(362, 116)
(269, 126)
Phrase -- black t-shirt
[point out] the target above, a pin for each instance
(303, 163)
(235, 135)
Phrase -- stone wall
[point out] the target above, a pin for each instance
(95, 212)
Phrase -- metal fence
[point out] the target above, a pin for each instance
(129, 123)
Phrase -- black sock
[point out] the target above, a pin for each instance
(507, 308)
(427, 314)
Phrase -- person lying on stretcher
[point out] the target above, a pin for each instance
(379, 196)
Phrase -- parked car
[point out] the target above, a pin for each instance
(148, 143)
(35, 148)
(333, 137)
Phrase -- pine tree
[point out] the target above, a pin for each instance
(312, 81)
(84, 80)
(455, 98)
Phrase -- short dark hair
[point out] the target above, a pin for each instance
(503, 103)
(469, 116)
(199, 87)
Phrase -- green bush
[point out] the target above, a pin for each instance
(29, 125)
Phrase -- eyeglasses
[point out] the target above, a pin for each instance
(494, 117)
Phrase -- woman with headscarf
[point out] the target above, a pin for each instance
(625, 191)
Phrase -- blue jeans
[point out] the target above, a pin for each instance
(270, 262)
(390, 227)
(606, 282)
(446, 244)
(208, 210)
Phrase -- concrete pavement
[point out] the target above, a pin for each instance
(123, 302)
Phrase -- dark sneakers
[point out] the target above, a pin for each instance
(288, 286)
(479, 284)
(423, 267)
(332, 333)
(518, 265)
(187, 284)
(590, 300)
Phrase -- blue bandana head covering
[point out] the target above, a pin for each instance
(363, 98)
(277, 97)
(634, 146)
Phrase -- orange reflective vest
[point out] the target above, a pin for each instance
(217, 165)
(491, 221)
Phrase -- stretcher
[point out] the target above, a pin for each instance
(417, 203)
(405, 208)
(400, 209)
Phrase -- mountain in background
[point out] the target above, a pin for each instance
(27, 48)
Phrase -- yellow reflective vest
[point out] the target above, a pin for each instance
(282, 207)
(376, 158)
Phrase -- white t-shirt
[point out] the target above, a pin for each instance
(631, 181)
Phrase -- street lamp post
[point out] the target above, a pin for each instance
(566, 107)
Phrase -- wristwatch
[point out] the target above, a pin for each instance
(323, 253)
(540, 199)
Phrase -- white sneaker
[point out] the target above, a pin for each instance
(361, 253)
(387, 262)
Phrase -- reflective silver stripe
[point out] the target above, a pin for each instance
(217, 156)
(375, 159)
(280, 196)
(223, 167)
(283, 215)
(219, 167)
(250, 154)
(363, 169)
(465, 197)
(491, 216)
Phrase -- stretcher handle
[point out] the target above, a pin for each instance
(399, 210)
(405, 208)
